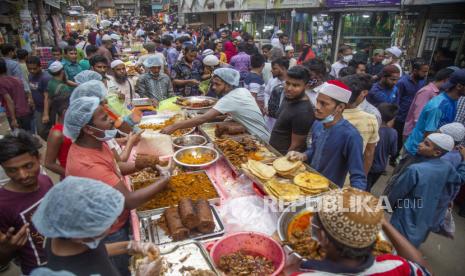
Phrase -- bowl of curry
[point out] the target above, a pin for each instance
(196, 157)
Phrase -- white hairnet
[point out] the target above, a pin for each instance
(87, 75)
(93, 88)
(79, 114)
(153, 61)
(78, 207)
(228, 75)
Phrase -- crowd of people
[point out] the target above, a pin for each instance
(348, 122)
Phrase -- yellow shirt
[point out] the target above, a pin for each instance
(365, 123)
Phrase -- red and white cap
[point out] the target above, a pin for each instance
(336, 90)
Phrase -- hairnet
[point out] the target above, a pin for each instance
(93, 88)
(153, 61)
(79, 114)
(87, 75)
(78, 207)
(228, 75)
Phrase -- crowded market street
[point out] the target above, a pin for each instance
(201, 138)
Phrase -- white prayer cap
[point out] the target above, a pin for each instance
(207, 52)
(279, 32)
(106, 37)
(55, 67)
(238, 38)
(289, 48)
(211, 60)
(455, 130)
(444, 141)
(115, 36)
(336, 90)
(115, 63)
(395, 51)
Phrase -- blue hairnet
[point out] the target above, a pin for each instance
(87, 75)
(44, 271)
(228, 75)
(79, 114)
(78, 207)
(153, 61)
(93, 88)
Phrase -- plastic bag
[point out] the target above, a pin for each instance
(248, 213)
(168, 104)
(449, 224)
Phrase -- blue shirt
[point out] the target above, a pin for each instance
(439, 111)
(38, 84)
(407, 90)
(387, 146)
(71, 69)
(336, 151)
(416, 194)
(379, 95)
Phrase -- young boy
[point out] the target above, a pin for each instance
(57, 55)
(70, 64)
(387, 144)
(415, 194)
(254, 81)
(22, 55)
(91, 50)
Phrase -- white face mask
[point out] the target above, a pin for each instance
(347, 59)
(387, 61)
(109, 134)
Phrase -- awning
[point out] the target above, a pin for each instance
(53, 3)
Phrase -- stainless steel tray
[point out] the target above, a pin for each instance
(310, 203)
(214, 201)
(194, 256)
(151, 232)
(194, 99)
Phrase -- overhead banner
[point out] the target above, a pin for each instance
(358, 3)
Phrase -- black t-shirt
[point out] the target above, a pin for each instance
(294, 117)
(91, 262)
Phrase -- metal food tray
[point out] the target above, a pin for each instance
(197, 99)
(214, 201)
(296, 208)
(159, 119)
(151, 232)
(197, 257)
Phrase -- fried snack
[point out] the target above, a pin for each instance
(229, 129)
(170, 121)
(240, 263)
(184, 185)
(382, 247)
(204, 213)
(233, 151)
(196, 157)
(176, 229)
(302, 243)
(187, 213)
(145, 176)
(195, 104)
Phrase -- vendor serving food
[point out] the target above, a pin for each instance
(347, 233)
(237, 102)
(75, 216)
(89, 126)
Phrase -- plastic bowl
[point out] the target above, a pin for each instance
(251, 242)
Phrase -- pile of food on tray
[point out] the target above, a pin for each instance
(194, 185)
(243, 263)
(187, 217)
(170, 121)
(143, 178)
(228, 129)
(196, 102)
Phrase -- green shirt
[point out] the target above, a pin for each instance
(84, 63)
(56, 87)
(71, 69)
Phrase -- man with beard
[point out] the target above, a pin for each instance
(120, 87)
(273, 90)
(237, 102)
(337, 147)
(154, 84)
(296, 113)
(385, 90)
(19, 199)
(98, 64)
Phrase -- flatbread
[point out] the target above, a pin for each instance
(261, 170)
(283, 165)
(311, 181)
(284, 191)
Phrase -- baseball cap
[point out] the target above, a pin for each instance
(458, 77)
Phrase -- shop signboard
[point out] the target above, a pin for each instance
(358, 3)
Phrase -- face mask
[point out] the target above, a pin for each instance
(109, 134)
(328, 119)
(387, 61)
(347, 59)
(312, 82)
(93, 244)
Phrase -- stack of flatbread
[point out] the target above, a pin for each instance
(260, 170)
(286, 168)
(311, 183)
(282, 190)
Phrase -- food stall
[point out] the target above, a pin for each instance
(231, 196)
